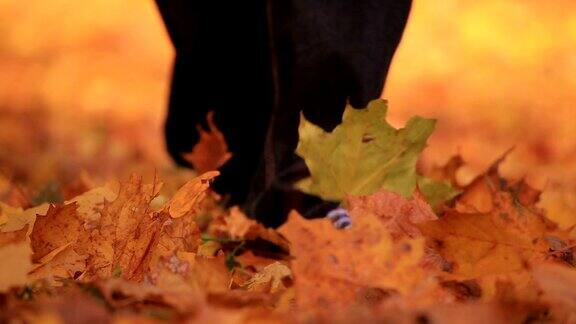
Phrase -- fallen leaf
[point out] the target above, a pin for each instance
(400, 214)
(478, 196)
(16, 218)
(190, 195)
(363, 154)
(50, 256)
(270, 279)
(495, 228)
(90, 203)
(61, 226)
(62, 263)
(481, 244)
(238, 226)
(176, 235)
(126, 232)
(330, 265)
(437, 192)
(16, 263)
(211, 151)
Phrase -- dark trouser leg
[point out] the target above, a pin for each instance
(222, 65)
(327, 53)
(272, 202)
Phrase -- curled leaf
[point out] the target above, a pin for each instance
(192, 193)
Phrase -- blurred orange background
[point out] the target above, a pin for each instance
(83, 87)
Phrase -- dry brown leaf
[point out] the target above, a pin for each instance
(524, 193)
(494, 229)
(330, 266)
(128, 237)
(91, 202)
(239, 227)
(184, 277)
(62, 263)
(270, 279)
(50, 256)
(211, 151)
(176, 235)
(126, 232)
(478, 196)
(398, 213)
(61, 226)
(190, 195)
(481, 244)
(135, 256)
(16, 218)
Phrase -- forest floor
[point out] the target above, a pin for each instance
(123, 235)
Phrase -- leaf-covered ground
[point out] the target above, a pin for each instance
(96, 225)
(129, 251)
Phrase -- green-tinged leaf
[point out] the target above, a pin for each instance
(363, 154)
(436, 192)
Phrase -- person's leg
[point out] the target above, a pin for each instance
(222, 65)
(327, 54)
(252, 66)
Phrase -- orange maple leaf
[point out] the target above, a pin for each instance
(211, 151)
(332, 267)
(398, 213)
